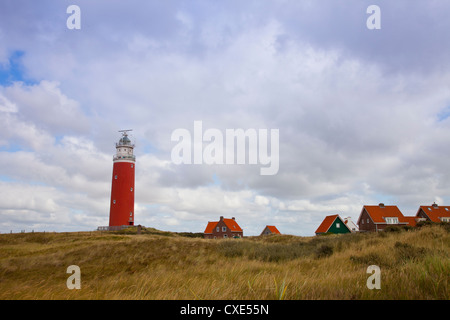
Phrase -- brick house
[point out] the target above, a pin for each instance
(433, 213)
(377, 218)
(270, 230)
(224, 228)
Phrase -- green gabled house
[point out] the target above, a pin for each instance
(332, 224)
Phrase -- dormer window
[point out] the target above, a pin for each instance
(391, 220)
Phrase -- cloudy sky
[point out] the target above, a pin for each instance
(363, 115)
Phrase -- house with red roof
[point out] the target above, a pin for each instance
(350, 224)
(270, 230)
(378, 217)
(433, 213)
(333, 224)
(224, 228)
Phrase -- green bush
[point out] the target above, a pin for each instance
(397, 228)
(324, 251)
(405, 251)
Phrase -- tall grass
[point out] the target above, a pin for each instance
(414, 265)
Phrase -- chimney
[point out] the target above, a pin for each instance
(381, 205)
(221, 218)
(435, 205)
(233, 218)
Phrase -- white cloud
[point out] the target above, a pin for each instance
(47, 107)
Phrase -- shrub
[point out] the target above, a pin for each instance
(371, 258)
(404, 252)
(397, 228)
(324, 251)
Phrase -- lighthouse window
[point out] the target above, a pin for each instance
(131, 189)
(115, 177)
(114, 201)
(131, 214)
(132, 165)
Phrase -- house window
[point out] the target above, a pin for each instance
(217, 229)
(362, 221)
(224, 229)
(338, 225)
(225, 236)
(391, 220)
(445, 219)
(367, 221)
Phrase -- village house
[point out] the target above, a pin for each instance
(332, 224)
(378, 217)
(350, 224)
(224, 228)
(270, 230)
(433, 213)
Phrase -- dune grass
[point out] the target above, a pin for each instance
(414, 264)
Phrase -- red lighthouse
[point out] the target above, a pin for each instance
(122, 186)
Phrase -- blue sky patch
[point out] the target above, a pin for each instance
(14, 70)
(444, 114)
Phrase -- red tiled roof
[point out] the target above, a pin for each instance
(435, 212)
(410, 220)
(378, 213)
(326, 223)
(230, 223)
(210, 227)
(273, 229)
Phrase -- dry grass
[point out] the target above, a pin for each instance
(414, 265)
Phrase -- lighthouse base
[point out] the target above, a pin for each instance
(113, 228)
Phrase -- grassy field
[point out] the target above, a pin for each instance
(414, 264)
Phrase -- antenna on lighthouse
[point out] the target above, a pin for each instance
(124, 132)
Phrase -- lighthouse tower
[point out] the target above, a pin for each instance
(122, 188)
